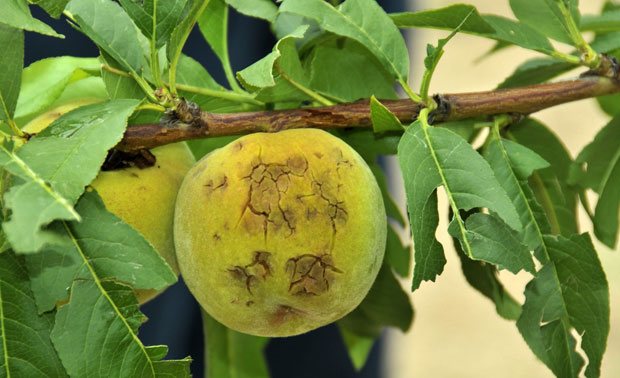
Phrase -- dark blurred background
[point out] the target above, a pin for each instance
(174, 316)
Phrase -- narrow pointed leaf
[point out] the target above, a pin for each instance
(279, 76)
(58, 163)
(53, 7)
(112, 248)
(26, 349)
(570, 292)
(557, 198)
(119, 38)
(230, 354)
(11, 61)
(16, 14)
(155, 18)
(107, 334)
(359, 347)
(382, 118)
(547, 18)
(431, 157)
(363, 21)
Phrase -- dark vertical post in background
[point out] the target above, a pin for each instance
(174, 316)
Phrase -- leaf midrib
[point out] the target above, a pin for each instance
(97, 281)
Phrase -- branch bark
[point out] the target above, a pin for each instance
(522, 100)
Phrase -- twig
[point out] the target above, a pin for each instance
(523, 100)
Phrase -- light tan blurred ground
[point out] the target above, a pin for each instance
(456, 332)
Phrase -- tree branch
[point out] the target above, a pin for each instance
(522, 100)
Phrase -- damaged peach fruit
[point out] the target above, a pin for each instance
(278, 234)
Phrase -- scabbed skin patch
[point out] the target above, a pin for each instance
(278, 234)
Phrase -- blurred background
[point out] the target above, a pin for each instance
(456, 332)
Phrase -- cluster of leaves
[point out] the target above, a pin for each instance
(69, 268)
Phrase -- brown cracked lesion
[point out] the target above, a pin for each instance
(269, 183)
(213, 185)
(251, 274)
(311, 274)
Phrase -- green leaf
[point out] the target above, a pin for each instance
(264, 9)
(610, 104)
(155, 18)
(391, 209)
(492, 241)
(34, 204)
(279, 76)
(397, 254)
(513, 164)
(53, 7)
(385, 305)
(25, 346)
(346, 71)
(44, 81)
(598, 167)
(359, 347)
(483, 277)
(548, 18)
(363, 21)
(557, 198)
(487, 26)
(112, 248)
(103, 341)
(63, 158)
(534, 71)
(70, 151)
(382, 118)
(568, 293)
(431, 157)
(16, 14)
(230, 354)
(119, 38)
(213, 25)
(11, 61)
(605, 22)
(117, 86)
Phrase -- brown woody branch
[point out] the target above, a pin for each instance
(522, 101)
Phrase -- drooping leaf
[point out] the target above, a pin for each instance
(213, 25)
(513, 164)
(557, 198)
(26, 349)
(53, 7)
(230, 354)
(534, 71)
(382, 118)
(11, 61)
(44, 81)
(568, 293)
(385, 305)
(397, 255)
(610, 104)
(488, 26)
(391, 209)
(431, 157)
(119, 86)
(112, 248)
(548, 18)
(359, 347)
(33, 205)
(16, 14)
(492, 241)
(346, 71)
(608, 21)
(57, 164)
(118, 38)
(103, 341)
(264, 9)
(598, 167)
(483, 277)
(155, 18)
(363, 21)
(278, 76)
